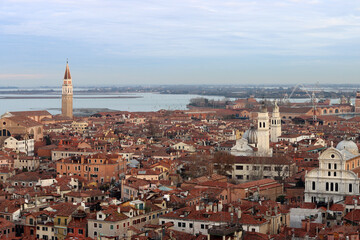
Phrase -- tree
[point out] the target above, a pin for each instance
(283, 167)
(223, 163)
(197, 165)
(47, 139)
(257, 171)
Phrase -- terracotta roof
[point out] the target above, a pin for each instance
(64, 209)
(190, 213)
(248, 219)
(5, 224)
(30, 113)
(353, 216)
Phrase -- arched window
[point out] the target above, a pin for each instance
(325, 111)
(336, 187)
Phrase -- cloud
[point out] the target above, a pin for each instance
(187, 27)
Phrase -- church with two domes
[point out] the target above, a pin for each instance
(337, 175)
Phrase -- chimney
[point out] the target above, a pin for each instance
(197, 207)
(220, 206)
(6, 209)
(238, 211)
(355, 203)
(118, 210)
(305, 223)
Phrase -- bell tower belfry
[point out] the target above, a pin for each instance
(67, 94)
(275, 122)
(263, 132)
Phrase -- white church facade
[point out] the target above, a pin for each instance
(336, 176)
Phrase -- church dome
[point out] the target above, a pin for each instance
(349, 146)
(251, 135)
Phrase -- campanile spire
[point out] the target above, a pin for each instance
(67, 94)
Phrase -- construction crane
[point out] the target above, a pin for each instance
(312, 97)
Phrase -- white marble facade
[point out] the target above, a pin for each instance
(331, 182)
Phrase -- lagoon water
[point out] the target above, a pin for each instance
(132, 102)
(135, 102)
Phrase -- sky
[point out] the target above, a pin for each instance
(127, 42)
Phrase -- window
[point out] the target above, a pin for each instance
(334, 174)
(327, 186)
(183, 225)
(335, 165)
(336, 187)
(239, 167)
(331, 186)
(202, 226)
(329, 165)
(31, 221)
(267, 168)
(329, 174)
(190, 225)
(179, 224)
(278, 168)
(100, 225)
(350, 187)
(59, 220)
(239, 176)
(313, 185)
(95, 224)
(111, 227)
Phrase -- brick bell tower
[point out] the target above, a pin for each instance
(67, 94)
(357, 102)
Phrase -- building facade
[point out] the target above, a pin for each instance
(334, 179)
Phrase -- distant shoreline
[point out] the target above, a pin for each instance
(58, 97)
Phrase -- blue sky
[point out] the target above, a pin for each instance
(117, 42)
